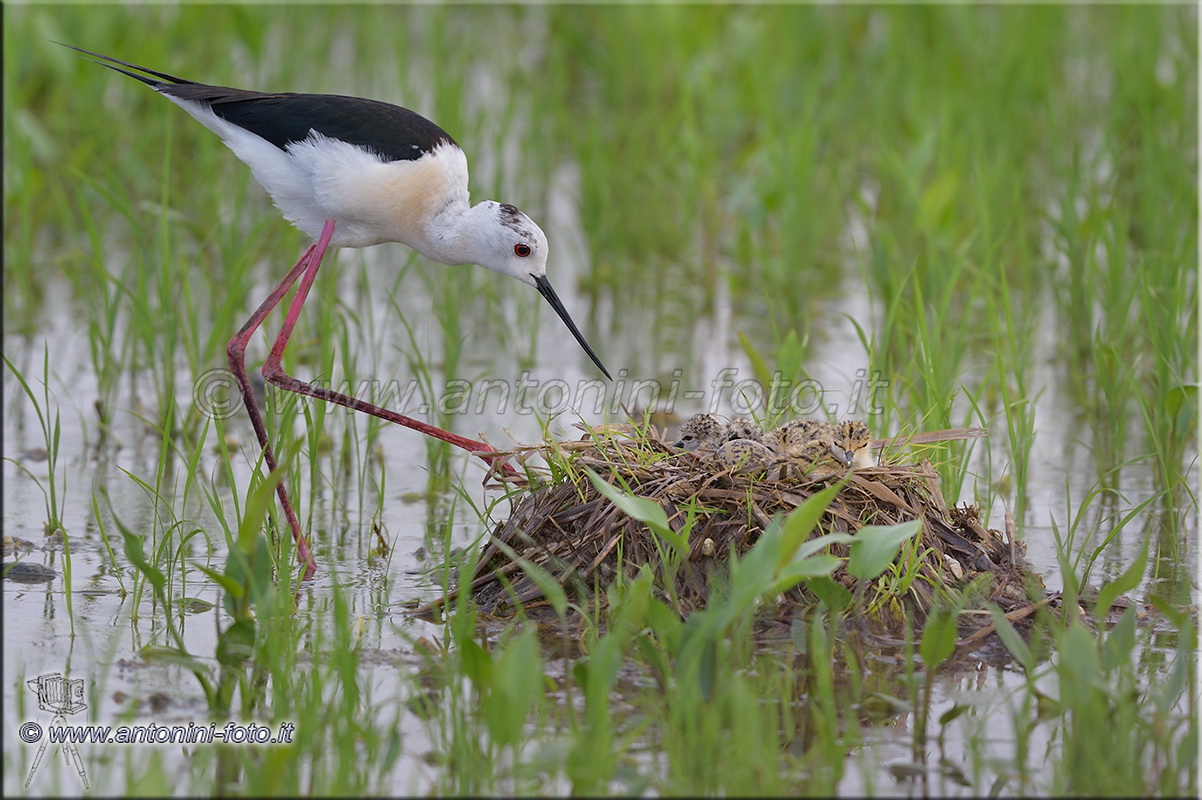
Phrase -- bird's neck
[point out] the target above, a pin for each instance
(457, 233)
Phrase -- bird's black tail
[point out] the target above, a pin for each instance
(117, 64)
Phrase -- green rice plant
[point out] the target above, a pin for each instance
(779, 383)
(1078, 546)
(1118, 734)
(361, 455)
(287, 673)
(107, 541)
(1168, 414)
(1136, 220)
(147, 572)
(729, 735)
(701, 672)
(987, 482)
(1015, 335)
(50, 437)
(51, 432)
(421, 373)
(592, 757)
(936, 644)
(482, 699)
(246, 580)
(825, 739)
(107, 294)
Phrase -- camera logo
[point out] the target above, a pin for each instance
(61, 697)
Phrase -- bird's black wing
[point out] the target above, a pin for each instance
(394, 133)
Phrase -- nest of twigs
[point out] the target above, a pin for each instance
(581, 538)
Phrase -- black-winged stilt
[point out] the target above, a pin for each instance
(353, 172)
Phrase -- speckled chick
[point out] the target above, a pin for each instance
(746, 456)
(789, 439)
(743, 428)
(851, 443)
(834, 446)
(702, 431)
(813, 459)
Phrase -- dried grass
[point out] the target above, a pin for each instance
(577, 535)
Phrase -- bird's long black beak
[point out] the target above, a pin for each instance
(544, 288)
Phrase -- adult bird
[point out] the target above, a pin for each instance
(353, 172)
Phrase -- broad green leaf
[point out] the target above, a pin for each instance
(1119, 642)
(626, 616)
(1080, 666)
(1011, 638)
(1125, 582)
(133, 551)
(656, 656)
(938, 638)
(876, 546)
(833, 594)
(517, 681)
(807, 569)
(252, 572)
(896, 704)
(231, 586)
(1178, 396)
(754, 573)
(173, 655)
(798, 635)
(821, 543)
(802, 520)
(648, 512)
(955, 711)
(665, 622)
(477, 664)
(258, 501)
(236, 644)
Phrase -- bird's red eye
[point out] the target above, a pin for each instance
(521, 250)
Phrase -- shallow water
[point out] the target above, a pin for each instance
(107, 636)
(684, 340)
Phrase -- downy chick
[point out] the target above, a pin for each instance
(702, 431)
(851, 443)
(790, 438)
(736, 444)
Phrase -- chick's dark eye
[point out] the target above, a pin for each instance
(521, 250)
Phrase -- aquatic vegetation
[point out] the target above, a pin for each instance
(924, 218)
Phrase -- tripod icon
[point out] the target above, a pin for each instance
(63, 697)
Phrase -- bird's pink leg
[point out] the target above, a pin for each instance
(273, 370)
(236, 351)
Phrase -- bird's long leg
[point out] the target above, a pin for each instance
(273, 372)
(236, 351)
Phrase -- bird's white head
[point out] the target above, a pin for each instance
(509, 242)
(505, 240)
